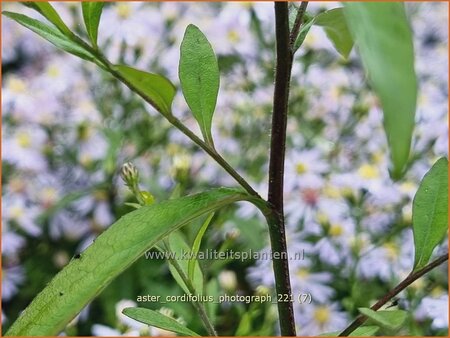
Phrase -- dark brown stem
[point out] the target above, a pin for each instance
(412, 277)
(298, 22)
(276, 167)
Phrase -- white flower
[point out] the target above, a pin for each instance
(11, 242)
(12, 278)
(16, 209)
(435, 309)
(24, 148)
(317, 319)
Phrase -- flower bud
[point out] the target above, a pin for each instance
(129, 174)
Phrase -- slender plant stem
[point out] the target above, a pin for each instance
(106, 65)
(412, 277)
(198, 305)
(276, 167)
(298, 22)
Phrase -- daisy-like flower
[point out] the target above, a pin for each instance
(25, 148)
(323, 318)
(17, 210)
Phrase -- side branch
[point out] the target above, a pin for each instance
(298, 22)
(412, 277)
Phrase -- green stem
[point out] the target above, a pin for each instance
(209, 149)
(198, 306)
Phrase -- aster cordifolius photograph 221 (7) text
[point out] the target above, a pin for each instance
(225, 168)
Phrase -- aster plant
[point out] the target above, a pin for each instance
(383, 39)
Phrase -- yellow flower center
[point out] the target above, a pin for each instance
(85, 160)
(23, 139)
(407, 187)
(53, 71)
(17, 86)
(322, 315)
(16, 212)
(331, 192)
(233, 36)
(336, 230)
(301, 168)
(123, 10)
(49, 195)
(391, 250)
(302, 273)
(436, 292)
(377, 157)
(368, 171)
(322, 218)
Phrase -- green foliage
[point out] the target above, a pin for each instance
(91, 15)
(196, 246)
(46, 10)
(383, 36)
(52, 35)
(304, 29)
(177, 244)
(153, 87)
(157, 319)
(389, 319)
(430, 212)
(200, 78)
(111, 253)
(362, 331)
(336, 29)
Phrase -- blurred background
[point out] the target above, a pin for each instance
(68, 127)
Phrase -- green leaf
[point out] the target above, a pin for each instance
(51, 34)
(153, 87)
(177, 244)
(196, 246)
(389, 319)
(111, 253)
(91, 15)
(383, 36)
(199, 77)
(362, 331)
(304, 30)
(212, 289)
(335, 27)
(46, 10)
(157, 319)
(430, 212)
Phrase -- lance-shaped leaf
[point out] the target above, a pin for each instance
(51, 34)
(91, 15)
(199, 77)
(157, 319)
(335, 26)
(153, 88)
(50, 14)
(383, 36)
(389, 319)
(430, 212)
(196, 246)
(111, 253)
